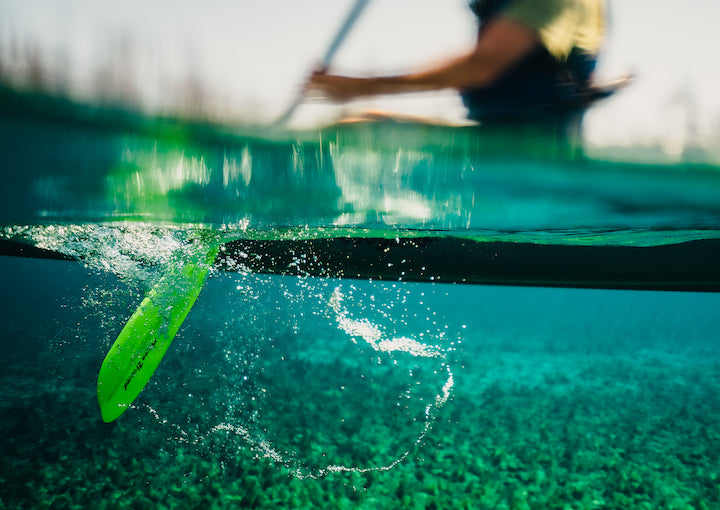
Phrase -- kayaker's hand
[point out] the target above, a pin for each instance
(337, 88)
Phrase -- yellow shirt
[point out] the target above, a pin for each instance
(562, 24)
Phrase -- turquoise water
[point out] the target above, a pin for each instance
(288, 387)
(274, 395)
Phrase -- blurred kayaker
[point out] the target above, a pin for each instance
(532, 58)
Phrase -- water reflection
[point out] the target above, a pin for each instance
(387, 175)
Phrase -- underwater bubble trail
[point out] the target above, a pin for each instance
(372, 335)
(368, 333)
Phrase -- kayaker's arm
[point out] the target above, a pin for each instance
(500, 45)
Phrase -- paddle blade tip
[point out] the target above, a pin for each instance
(111, 412)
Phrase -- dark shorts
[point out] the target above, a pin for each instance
(538, 87)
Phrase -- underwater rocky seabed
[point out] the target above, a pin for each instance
(558, 398)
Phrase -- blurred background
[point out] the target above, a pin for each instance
(244, 61)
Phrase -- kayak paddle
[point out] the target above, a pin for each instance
(142, 343)
(337, 41)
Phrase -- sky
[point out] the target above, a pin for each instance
(255, 54)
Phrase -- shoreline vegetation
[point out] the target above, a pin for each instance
(200, 127)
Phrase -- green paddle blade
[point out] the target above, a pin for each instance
(142, 343)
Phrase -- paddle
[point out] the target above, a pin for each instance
(337, 41)
(142, 343)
